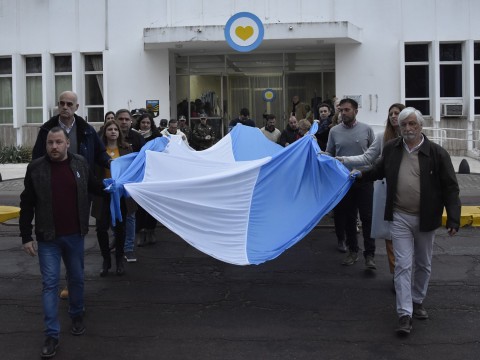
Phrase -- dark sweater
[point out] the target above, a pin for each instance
(64, 199)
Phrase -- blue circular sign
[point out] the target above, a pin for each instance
(244, 32)
(268, 95)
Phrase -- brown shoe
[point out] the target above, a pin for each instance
(64, 293)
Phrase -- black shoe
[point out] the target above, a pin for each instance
(404, 325)
(120, 268)
(370, 262)
(419, 312)
(77, 326)
(341, 246)
(107, 264)
(112, 246)
(142, 238)
(49, 348)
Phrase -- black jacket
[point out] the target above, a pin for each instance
(89, 144)
(135, 140)
(438, 183)
(36, 198)
(288, 136)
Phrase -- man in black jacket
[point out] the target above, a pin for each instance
(290, 134)
(83, 137)
(243, 119)
(56, 194)
(421, 181)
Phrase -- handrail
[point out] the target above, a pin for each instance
(439, 135)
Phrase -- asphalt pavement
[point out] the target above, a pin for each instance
(177, 303)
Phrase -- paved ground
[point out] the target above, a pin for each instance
(177, 303)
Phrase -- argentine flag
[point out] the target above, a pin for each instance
(243, 201)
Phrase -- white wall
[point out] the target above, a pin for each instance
(134, 75)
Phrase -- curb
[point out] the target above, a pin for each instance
(470, 216)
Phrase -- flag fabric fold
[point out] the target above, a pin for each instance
(243, 201)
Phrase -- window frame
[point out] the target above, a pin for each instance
(445, 63)
(428, 64)
(89, 107)
(8, 76)
(33, 75)
(476, 99)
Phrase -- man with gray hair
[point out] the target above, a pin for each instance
(421, 181)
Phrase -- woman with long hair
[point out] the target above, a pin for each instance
(146, 127)
(146, 223)
(116, 146)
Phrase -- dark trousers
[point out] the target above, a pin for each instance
(359, 199)
(144, 220)
(104, 223)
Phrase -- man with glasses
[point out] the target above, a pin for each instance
(172, 129)
(82, 137)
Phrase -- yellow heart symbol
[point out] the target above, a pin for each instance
(244, 32)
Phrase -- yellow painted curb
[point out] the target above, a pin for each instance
(470, 216)
(8, 212)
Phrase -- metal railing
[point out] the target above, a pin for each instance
(462, 139)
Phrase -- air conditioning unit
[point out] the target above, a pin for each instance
(453, 110)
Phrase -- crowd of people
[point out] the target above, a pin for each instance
(70, 160)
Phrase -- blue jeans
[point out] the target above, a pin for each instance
(50, 253)
(129, 233)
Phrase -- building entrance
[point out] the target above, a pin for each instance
(221, 85)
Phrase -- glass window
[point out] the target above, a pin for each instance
(94, 87)
(33, 66)
(476, 76)
(417, 77)
(476, 51)
(63, 74)
(416, 81)
(451, 79)
(416, 52)
(6, 66)
(6, 101)
(451, 52)
(476, 69)
(63, 63)
(422, 105)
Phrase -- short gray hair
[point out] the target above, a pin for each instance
(405, 113)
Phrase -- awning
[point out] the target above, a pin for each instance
(278, 37)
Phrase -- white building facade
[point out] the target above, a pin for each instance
(120, 54)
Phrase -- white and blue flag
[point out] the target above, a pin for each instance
(243, 201)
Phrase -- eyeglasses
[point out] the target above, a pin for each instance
(124, 119)
(63, 103)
